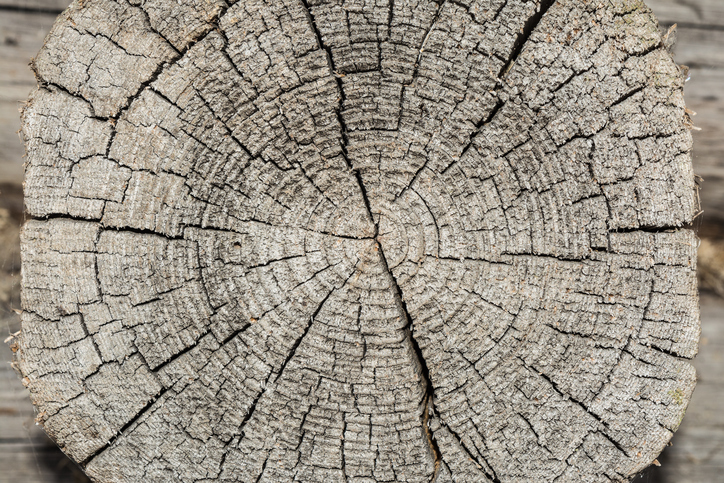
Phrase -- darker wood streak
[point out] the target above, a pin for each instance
(528, 30)
(133, 420)
(31, 10)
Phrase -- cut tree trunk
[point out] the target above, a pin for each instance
(359, 241)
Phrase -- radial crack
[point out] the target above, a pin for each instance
(134, 419)
(518, 45)
(278, 373)
(425, 372)
(405, 314)
(492, 476)
(525, 34)
(337, 79)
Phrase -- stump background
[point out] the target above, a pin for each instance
(701, 32)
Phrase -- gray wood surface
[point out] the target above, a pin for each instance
(21, 36)
(700, 41)
(34, 6)
(697, 47)
(697, 451)
(698, 13)
(409, 241)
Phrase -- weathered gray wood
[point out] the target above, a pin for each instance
(26, 453)
(34, 6)
(697, 454)
(705, 96)
(689, 12)
(21, 35)
(699, 46)
(381, 242)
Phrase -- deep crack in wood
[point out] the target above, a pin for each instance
(356, 241)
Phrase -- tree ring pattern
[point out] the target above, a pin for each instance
(346, 240)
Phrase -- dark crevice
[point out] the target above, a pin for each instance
(61, 216)
(133, 420)
(263, 469)
(231, 336)
(43, 84)
(149, 24)
(179, 354)
(652, 229)
(574, 75)
(139, 231)
(222, 462)
(627, 96)
(492, 476)
(588, 337)
(366, 200)
(346, 237)
(389, 22)
(299, 340)
(668, 352)
(336, 77)
(248, 415)
(530, 426)
(425, 372)
(338, 109)
(498, 105)
(313, 184)
(267, 263)
(278, 373)
(523, 37)
(344, 462)
(518, 45)
(582, 406)
(110, 40)
(434, 221)
(491, 116)
(430, 435)
(84, 326)
(202, 281)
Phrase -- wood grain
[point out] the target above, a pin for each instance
(21, 35)
(380, 242)
(700, 37)
(34, 6)
(691, 13)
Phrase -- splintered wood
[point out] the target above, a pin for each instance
(359, 241)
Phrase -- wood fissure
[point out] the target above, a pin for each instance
(525, 34)
(422, 241)
(130, 423)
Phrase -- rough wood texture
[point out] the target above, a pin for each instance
(697, 454)
(21, 35)
(359, 241)
(699, 46)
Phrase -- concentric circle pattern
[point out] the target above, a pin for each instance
(359, 240)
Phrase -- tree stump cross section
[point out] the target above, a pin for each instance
(359, 241)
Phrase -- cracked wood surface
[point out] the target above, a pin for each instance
(359, 241)
(699, 39)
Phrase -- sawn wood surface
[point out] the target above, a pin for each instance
(359, 242)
